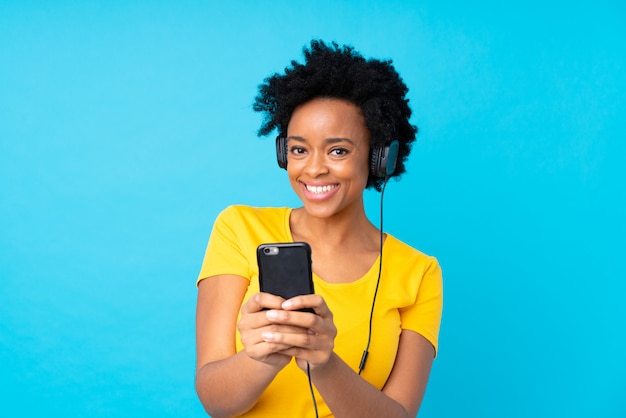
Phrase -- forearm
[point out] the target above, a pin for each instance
(349, 395)
(232, 386)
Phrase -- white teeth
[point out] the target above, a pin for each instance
(319, 189)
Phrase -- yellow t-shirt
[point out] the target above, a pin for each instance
(410, 296)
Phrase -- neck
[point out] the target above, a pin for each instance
(339, 229)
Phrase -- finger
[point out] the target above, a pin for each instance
(252, 324)
(317, 354)
(254, 336)
(284, 329)
(257, 346)
(310, 347)
(265, 348)
(260, 301)
(288, 340)
(315, 302)
(304, 320)
(269, 353)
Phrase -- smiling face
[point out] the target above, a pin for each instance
(328, 156)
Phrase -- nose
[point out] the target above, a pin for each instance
(316, 164)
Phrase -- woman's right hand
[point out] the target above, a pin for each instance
(253, 323)
(229, 382)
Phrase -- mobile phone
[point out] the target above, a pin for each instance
(285, 269)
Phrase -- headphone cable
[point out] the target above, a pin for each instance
(380, 269)
(308, 373)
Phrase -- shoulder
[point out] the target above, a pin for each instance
(401, 249)
(243, 212)
(416, 275)
(259, 221)
(403, 255)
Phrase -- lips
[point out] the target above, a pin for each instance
(319, 192)
(320, 189)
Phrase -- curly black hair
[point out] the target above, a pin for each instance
(340, 72)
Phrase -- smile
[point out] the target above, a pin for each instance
(320, 189)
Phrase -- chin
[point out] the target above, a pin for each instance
(322, 211)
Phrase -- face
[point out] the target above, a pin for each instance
(328, 156)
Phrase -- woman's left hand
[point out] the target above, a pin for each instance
(316, 345)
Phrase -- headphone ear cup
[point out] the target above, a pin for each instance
(384, 159)
(281, 151)
(375, 161)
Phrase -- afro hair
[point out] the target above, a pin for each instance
(340, 72)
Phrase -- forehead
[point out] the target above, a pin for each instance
(328, 117)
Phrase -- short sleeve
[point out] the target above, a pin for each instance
(424, 316)
(224, 253)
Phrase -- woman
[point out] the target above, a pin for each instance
(335, 114)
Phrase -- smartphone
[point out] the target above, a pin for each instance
(285, 269)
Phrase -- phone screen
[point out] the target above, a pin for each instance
(285, 269)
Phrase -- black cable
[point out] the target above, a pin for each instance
(380, 269)
(308, 373)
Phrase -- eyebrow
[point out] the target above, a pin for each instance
(327, 140)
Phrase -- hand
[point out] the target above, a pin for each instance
(314, 339)
(254, 323)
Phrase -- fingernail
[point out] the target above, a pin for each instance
(267, 336)
(271, 315)
(287, 304)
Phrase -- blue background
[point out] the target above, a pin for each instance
(126, 126)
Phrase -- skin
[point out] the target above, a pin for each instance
(328, 149)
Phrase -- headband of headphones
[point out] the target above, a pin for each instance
(383, 159)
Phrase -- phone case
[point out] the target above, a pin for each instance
(285, 269)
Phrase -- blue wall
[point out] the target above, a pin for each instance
(125, 127)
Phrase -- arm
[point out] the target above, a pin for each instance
(345, 392)
(230, 383)
(348, 395)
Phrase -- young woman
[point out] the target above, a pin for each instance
(336, 115)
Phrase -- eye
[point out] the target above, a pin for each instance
(339, 152)
(296, 150)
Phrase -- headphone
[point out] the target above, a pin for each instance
(383, 159)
